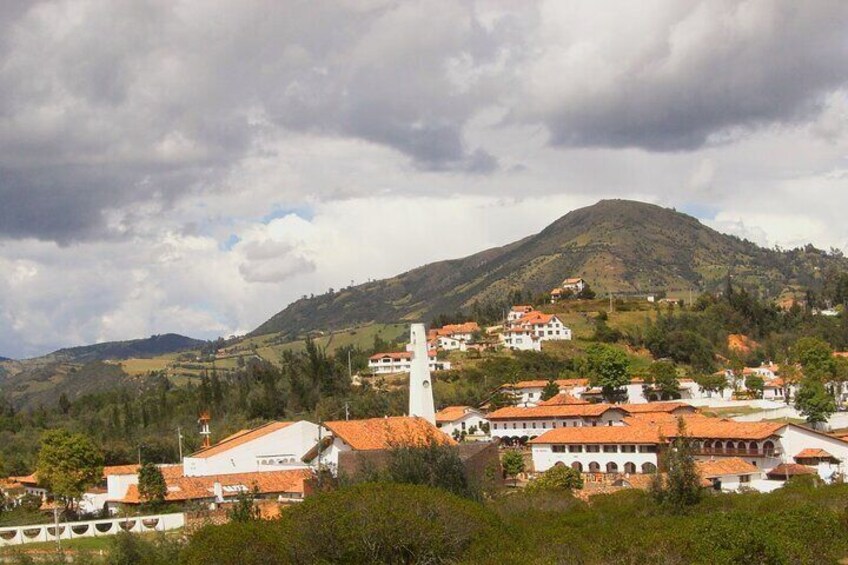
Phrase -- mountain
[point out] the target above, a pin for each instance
(4, 359)
(617, 246)
(115, 350)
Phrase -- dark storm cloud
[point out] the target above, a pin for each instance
(697, 75)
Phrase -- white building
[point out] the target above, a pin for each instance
(453, 336)
(517, 312)
(515, 425)
(401, 362)
(272, 447)
(521, 339)
(635, 445)
(461, 419)
(374, 434)
(729, 474)
(534, 325)
(575, 285)
(529, 393)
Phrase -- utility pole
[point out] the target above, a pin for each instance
(347, 411)
(180, 441)
(349, 367)
(319, 453)
(139, 454)
(56, 527)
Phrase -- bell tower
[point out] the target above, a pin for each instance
(420, 383)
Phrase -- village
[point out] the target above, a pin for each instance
(567, 422)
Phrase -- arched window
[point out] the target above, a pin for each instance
(708, 444)
(649, 468)
(629, 468)
(559, 464)
(718, 446)
(752, 447)
(577, 466)
(612, 467)
(594, 467)
(768, 448)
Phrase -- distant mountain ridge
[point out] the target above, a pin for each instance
(618, 246)
(116, 350)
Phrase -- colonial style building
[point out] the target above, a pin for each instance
(516, 425)
(455, 420)
(401, 362)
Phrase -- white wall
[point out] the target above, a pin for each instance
(544, 458)
(463, 424)
(275, 451)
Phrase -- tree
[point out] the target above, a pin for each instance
(512, 462)
(551, 389)
(558, 477)
(712, 383)
(790, 375)
(68, 463)
(151, 484)
(813, 401)
(608, 368)
(682, 486)
(244, 509)
(432, 464)
(754, 384)
(816, 358)
(662, 376)
(64, 403)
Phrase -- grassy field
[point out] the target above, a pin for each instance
(94, 548)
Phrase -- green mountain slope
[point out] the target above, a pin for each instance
(618, 246)
(147, 347)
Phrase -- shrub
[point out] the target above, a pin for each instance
(558, 477)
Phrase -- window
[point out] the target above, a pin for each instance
(744, 478)
(544, 425)
(612, 467)
(610, 449)
(647, 449)
(575, 449)
(629, 468)
(628, 449)
(524, 425)
(649, 468)
(594, 467)
(558, 449)
(494, 426)
(577, 466)
(593, 449)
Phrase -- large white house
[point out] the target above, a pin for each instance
(529, 331)
(529, 393)
(635, 445)
(274, 446)
(453, 337)
(401, 362)
(515, 425)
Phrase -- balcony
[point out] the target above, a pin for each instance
(735, 452)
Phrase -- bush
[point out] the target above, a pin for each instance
(366, 523)
(558, 477)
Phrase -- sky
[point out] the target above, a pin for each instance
(193, 166)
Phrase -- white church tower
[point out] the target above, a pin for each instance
(420, 383)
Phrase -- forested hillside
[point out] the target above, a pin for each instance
(618, 246)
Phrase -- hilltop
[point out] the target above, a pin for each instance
(113, 350)
(617, 246)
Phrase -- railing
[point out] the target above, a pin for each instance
(735, 451)
(91, 528)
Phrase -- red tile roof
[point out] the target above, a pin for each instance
(563, 399)
(241, 438)
(452, 413)
(811, 453)
(650, 407)
(724, 466)
(559, 411)
(562, 383)
(385, 433)
(167, 470)
(192, 488)
(790, 470)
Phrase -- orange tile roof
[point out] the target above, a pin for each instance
(384, 433)
(811, 453)
(559, 411)
(450, 329)
(564, 383)
(563, 399)
(240, 439)
(452, 413)
(600, 434)
(650, 407)
(31, 479)
(790, 470)
(175, 470)
(724, 466)
(192, 488)
(535, 318)
(700, 427)
(522, 308)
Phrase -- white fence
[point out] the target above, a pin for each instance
(92, 528)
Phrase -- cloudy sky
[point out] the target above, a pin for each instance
(195, 165)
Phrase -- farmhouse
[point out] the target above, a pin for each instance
(401, 362)
(453, 336)
(517, 312)
(545, 327)
(575, 285)
(515, 425)
(728, 474)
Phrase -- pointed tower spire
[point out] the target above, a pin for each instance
(420, 382)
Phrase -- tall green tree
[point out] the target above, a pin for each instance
(609, 369)
(551, 389)
(816, 358)
(151, 484)
(682, 487)
(814, 402)
(755, 384)
(68, 463)
(512, 462)
(662, 377)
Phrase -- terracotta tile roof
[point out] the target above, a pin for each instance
(31, 479)
(192, 488)
(452, 413)
(535, 318)
(167, 470)
(700, 427)
(559, 411)
(562, 383)
(600, 434)
(450, 329)
(384, 433)
(724, 466)
(240, 439)
(563, 399)
(790, 470)
(571, 281)
(522, 308)
(649, 407)
(398, 355)
(811, 453)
